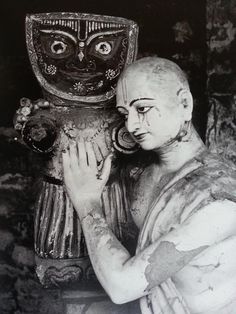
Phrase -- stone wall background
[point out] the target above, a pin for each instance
(221, 73)
(198, 35)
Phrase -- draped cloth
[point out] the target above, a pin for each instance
(202, 180)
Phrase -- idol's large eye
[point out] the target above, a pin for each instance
(58, 47)
(104, 48)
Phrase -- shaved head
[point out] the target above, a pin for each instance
(159, 72)
(154, 97)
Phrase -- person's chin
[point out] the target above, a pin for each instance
(145, 145)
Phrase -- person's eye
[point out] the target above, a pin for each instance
(143, 109)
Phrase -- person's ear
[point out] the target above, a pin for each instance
(186, 100)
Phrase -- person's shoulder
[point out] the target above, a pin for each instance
(212, 170)
(212, 180)
(214, 162)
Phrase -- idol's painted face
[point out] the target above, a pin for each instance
(76, 55)
(81, 66)
(153, 117)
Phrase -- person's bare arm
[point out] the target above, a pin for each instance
(126, 278)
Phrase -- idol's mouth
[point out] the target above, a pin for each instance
(81, 75)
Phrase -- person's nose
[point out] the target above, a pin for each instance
(132, 122)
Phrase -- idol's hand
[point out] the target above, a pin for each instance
(83, 183)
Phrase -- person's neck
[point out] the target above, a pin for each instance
(175, 155)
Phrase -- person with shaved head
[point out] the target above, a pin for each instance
(183, 202)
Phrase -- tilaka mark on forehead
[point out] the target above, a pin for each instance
(124, 90)
(125, 94)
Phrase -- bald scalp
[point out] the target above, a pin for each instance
(159, 71)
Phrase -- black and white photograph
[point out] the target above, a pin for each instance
(118, 157)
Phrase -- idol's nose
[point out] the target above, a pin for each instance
(81, 52)
(80, 56)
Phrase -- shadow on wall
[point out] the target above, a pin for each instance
(221, 42)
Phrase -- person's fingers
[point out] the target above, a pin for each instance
(82, 153)
(73, 157)
(66, 166)
(92, 161)
(98, 155)
(106, 169)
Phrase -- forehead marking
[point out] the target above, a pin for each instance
(73, 24)
(82, 32)
(124, 90)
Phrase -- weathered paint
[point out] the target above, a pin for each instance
(171, 261)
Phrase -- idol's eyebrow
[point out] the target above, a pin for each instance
(103, 34)
(133, 101)
(54, 31)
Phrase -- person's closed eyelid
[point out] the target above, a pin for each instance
(143, 109)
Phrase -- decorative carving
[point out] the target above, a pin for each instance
(122, 140)
(77, 59)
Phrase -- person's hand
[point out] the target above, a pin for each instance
(26, 109)
(84, 184)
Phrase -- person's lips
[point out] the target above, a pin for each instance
(139, 137)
